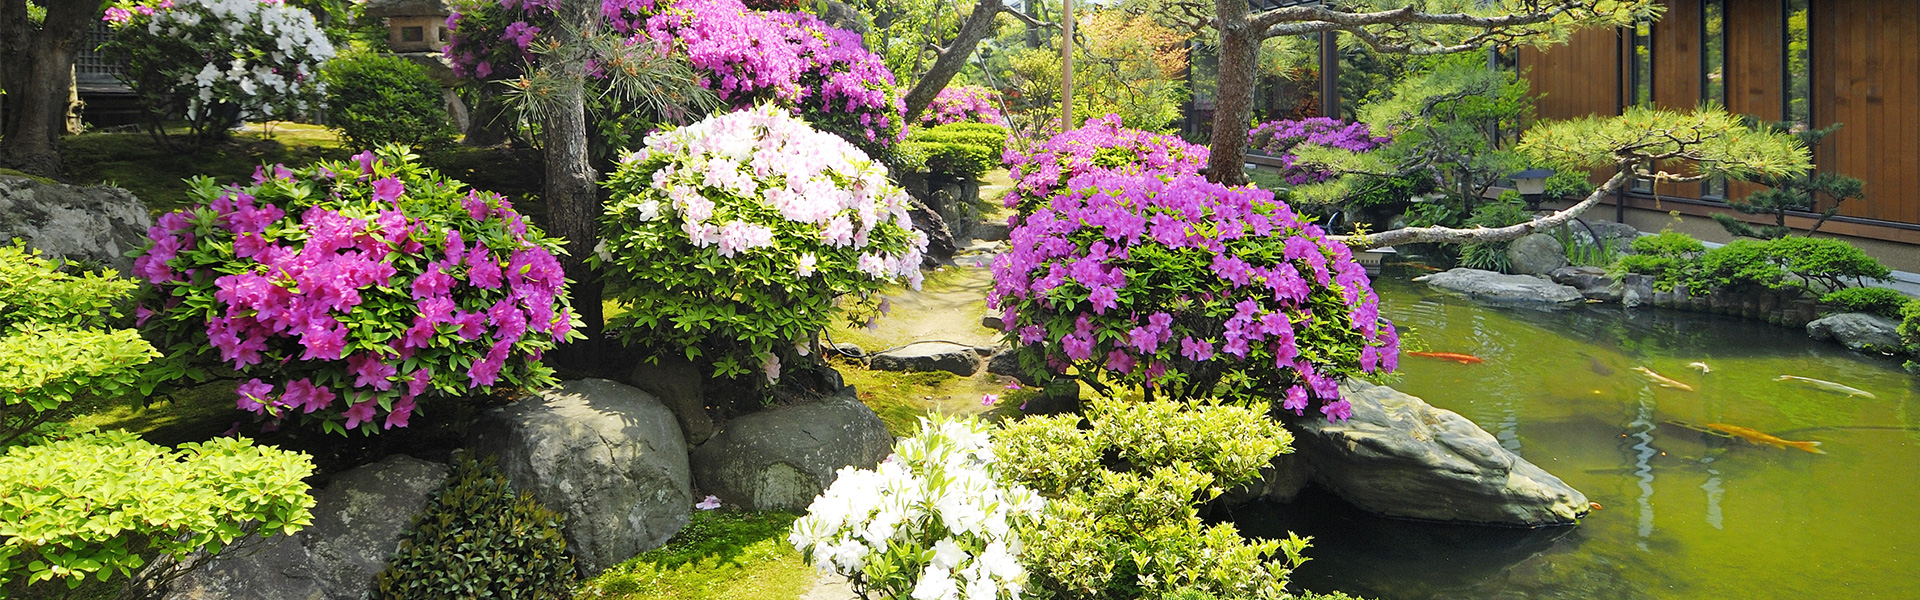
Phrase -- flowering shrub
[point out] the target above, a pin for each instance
(1182, 285)
(964, 104)
(1102, 144)
(745, 56)
(732, 237)
(1278, 138)
(934, 521)
(348, 289)
(217, 62)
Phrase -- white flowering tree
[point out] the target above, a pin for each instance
(933, 522)
(217, 63)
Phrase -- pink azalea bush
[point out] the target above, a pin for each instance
(964, 104)
(346, 290)
(730, 239)
(1102, 144)
(745, 56)
(1278, 139)
(1154, 278)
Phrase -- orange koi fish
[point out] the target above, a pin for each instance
(1428, 268)
(1662, 380)
(1465, 359)
(1762, 439)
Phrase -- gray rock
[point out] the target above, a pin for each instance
(940, 245)
(1636, 289)
(992, 231)
(358, 521)
(676, 382)
(1399, 456)
(1495, 287)
(99, 223)
(1592, 282)
(1609, 230)
(1007, 362)
(780, 459)
(992, 320)
(1536, 254)
(929, 356)
(850, 350)
(608, 456)
(1858, 331)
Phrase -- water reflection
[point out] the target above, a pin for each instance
(1643, 452)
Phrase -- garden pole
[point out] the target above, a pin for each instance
(1066, 64)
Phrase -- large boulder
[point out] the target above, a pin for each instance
(1536, 254)
(1858, 331)
(1499, 288)
(358, 521)
(959, 359)
(780, 459)
(608, 456)
(676, 382)
(1592, 282)
(99, 224)
(1399, 456)
(940, 244)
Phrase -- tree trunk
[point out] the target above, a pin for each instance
(1233, 98)
(977, 26)
(573, 202)
(38, 80)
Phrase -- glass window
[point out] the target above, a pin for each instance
(1640, 78)
(1713, 72)
(1799, 64)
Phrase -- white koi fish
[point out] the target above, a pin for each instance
(1828, 386)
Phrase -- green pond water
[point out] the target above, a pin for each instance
(1685, 514)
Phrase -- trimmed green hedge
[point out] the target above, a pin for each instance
(1874, 300)
(966, 150)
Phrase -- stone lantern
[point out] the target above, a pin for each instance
(413, 25)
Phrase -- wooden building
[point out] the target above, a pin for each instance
(1814, 62)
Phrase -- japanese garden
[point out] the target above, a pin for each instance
(913, 300)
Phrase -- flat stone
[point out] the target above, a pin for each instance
(1858, 331)
(1494, 287)
(780, 459)
(607, 455)
(954, 358)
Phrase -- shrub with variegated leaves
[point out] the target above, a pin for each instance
(732, 239)
(345, 290)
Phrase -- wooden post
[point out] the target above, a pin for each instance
(1329, 75)
(1066, 64)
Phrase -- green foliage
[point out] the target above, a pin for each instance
(1816, 263)
(1875, 300)
(1717, 144)
(1794, 192)
(962, 150)
(1669, 257)
(379, 99)
(57, 342)
(1440, 122)
(1910, 332)
(717, 556)
(1124, 64)
(1492, 256)
(477, 539)
(1568, 184)
(1586, 250)
(1122, 489)
(97, 504)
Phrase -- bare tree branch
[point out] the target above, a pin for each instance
(1450, 235)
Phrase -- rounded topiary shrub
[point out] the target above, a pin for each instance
(732, 239)
(1189, 289)
(478, 539)
(379, 99)
(345, 290)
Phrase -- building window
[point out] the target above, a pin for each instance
(1799, 64)
(1713, 72)
(1640, 78)
(413, 34)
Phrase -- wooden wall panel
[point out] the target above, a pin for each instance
(1676, 70)
(1576, 79)
(1866, 73)
(1755, 46)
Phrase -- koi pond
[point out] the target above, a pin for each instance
(1685, 513)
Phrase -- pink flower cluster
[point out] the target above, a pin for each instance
(1102, 144)
(1278, 139)
(1165, 280)
(964, 104)
(371, 275)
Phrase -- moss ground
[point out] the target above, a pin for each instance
(720, 555)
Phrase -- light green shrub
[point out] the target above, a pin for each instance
(478, 539)
(1875, 300)
(964, 150)
(1122, 520)
(379, 99)
(1669, 257)
(55, 344)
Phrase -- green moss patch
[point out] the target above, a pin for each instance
(718, 556)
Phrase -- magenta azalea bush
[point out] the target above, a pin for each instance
(731, 239)
(964, 104)
(745, 56)
(1143, 274)
(1101, 145)
(1278, 139)
(346, 290)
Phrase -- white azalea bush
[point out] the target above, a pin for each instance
(219, 62)
(932, 522)
(734, 239)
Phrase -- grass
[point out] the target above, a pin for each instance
(718, 556)
(902, 398)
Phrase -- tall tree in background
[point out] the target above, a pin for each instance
(1418, 27)
(35, 73)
